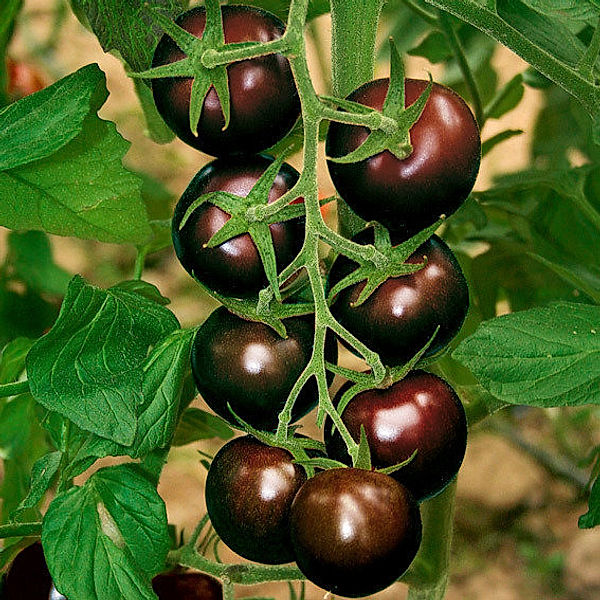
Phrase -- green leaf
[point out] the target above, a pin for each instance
(363, 460)
(567, 11)
(30, 256)
(592, 517)
(281, 7)
(164, 374)
(126, 26)
(143, 288)
(196, 424)
(12, 359)
(506, 99)
(90, 366)
(433, 47)
(157, 128)
(42, 474)
(549, 34)
(489, 144)
(112, 532)
(321, 463)
(541, 357)
(62, 168)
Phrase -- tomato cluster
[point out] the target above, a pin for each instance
(351, 531)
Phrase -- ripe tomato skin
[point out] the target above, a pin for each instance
(399, 318)
(233, 268)
(28, 576)
(263, 97)
(187, 586)
(435, 179)
(354, 532)
(249, 491)
(248, 365)
(420, 412)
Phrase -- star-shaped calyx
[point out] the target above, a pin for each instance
(394, 266)
(191, 66)
(396, 139)
(248, 215)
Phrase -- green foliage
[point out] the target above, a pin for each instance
(196, 424)
(98, 346)
(102, 526)
(541, 357)
(126, 27)
(53, 143)
(592, 517)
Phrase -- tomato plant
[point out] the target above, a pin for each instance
(249, 492)
(234, 267)
(404, 312)
(419, 414)
(444, 229)
(433, 180)
(262, 367)
(354, 532)
(263, 99)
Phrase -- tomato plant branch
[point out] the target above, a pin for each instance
(140, 260)
(242, 574)
(20, 530)
(586, 66)
(428, 575)
(14, 389)
(454, 42)
(421, 12)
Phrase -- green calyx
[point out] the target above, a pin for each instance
(193, 65)
(394, 265)
(392, 131)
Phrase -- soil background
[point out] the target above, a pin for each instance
(516, 535)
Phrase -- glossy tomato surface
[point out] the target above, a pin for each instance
(249, 491)
(263, 97)
(354, 532)
(28, 576)
(248, 365)
(187, 586)
(435, 179)
(233, 268)
(399, 318)
(420, 412)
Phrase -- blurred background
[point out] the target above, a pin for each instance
(523, 483)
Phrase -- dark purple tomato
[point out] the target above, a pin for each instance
(187, 586)
(248, 365)
(249, 491)
(399, 318)
(233, 268)
(420, 412)
(28, 576)
(263, 97)
(354, 532)
(435, 179)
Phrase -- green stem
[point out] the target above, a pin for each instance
(242, 574)
(428, 575)
(20, 530)
(14, 389)
(454, 42)
(140, 260)
(353, 34)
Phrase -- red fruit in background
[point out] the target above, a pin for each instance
(249, 491)
(400, 317)
(263, 96)
(420, 412)
(435, 179)
(23, 79)
(354, 532)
